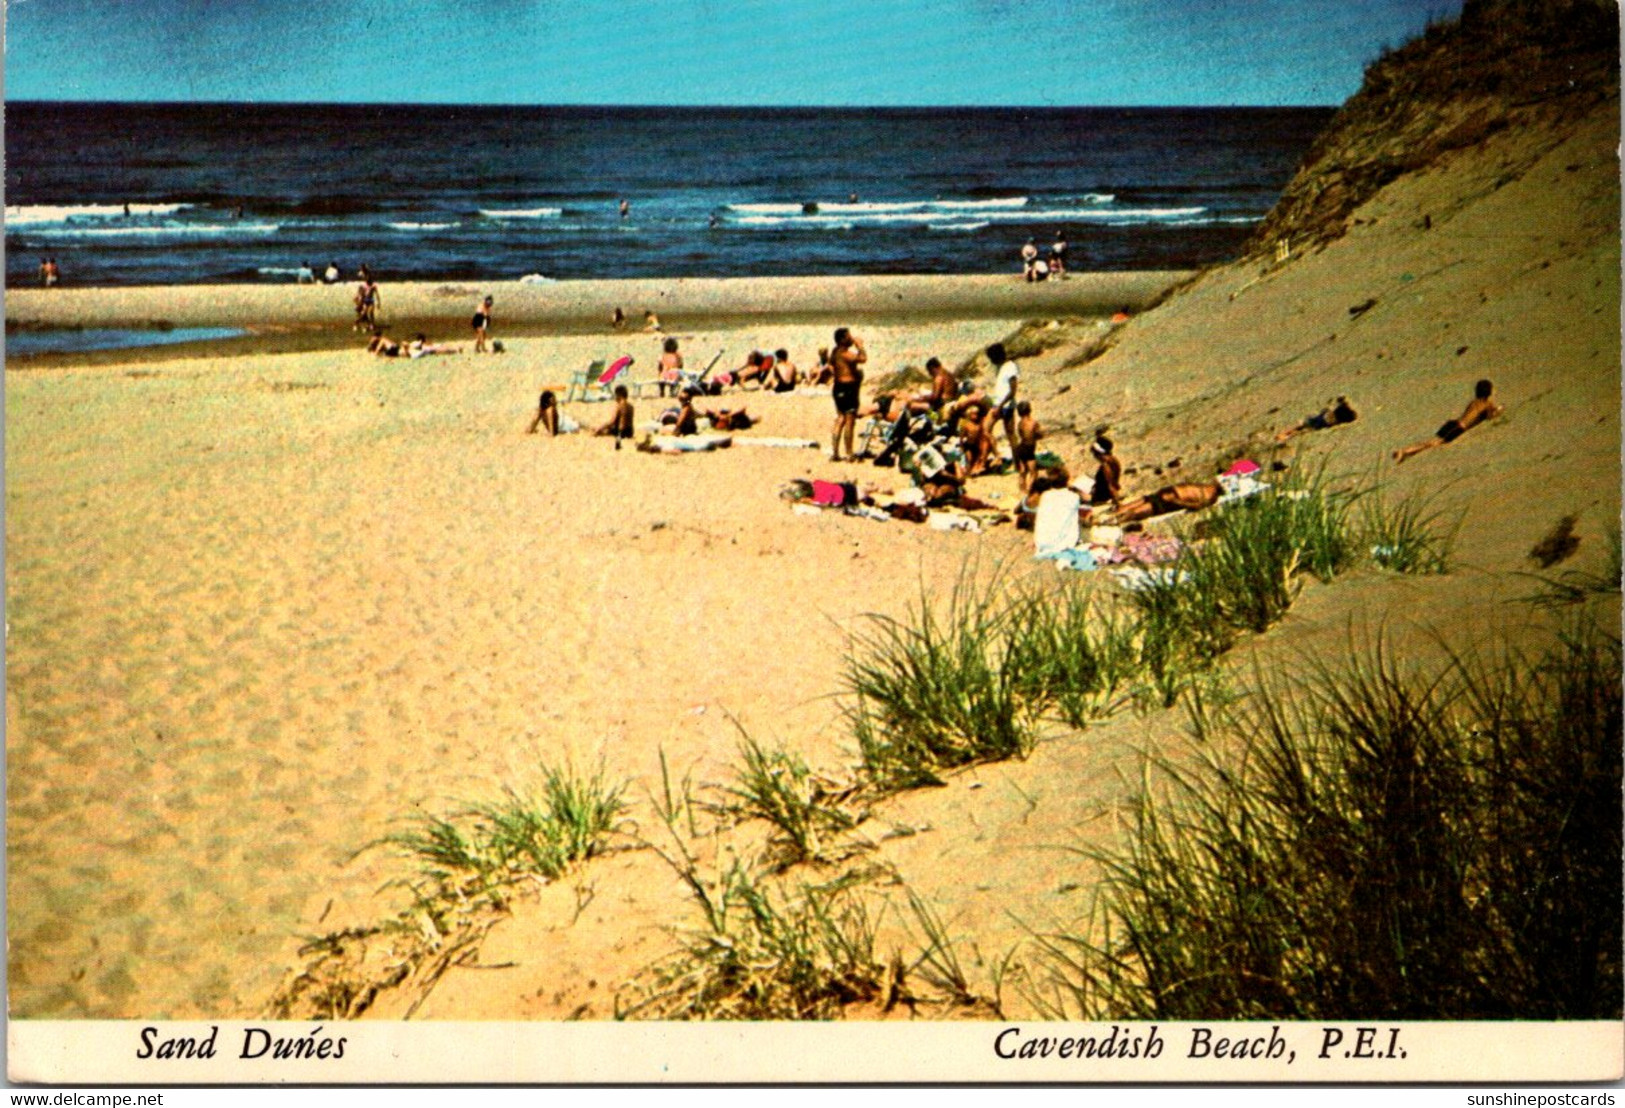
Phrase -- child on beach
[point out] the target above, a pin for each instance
(651, 322)
(621, 420)
(481, 324)
(671, 367)
(1479, 409)
(1025, 450)
(547, 414)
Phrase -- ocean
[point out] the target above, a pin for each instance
(127, 194)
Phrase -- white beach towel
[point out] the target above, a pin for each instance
(787, 444)
(1055, 528)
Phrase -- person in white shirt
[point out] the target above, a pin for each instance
(1029, 258)
(1004, 393)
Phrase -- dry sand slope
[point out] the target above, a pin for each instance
(260, 607)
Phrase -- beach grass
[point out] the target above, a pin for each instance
(1408, 535)
(1376, 840)
(777, 786)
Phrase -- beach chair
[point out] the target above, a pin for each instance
(577, 389)
(619, 372)
(696, 381)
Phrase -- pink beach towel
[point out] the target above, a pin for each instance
(616, 368)
(1242, 469)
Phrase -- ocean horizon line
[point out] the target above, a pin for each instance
(685, 107)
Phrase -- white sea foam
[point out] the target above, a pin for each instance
(833, 218)
(875, 208)
(29, 215)
(975, 225)
(408, 226)
(521, 213)
(194, 230)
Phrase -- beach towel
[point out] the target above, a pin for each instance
(1243, 468)
(786, 444)
(1134, 578)
(1080, 560)
(947, 521)
(689, 444)
(1055, 527)
(1239, 487)
(1151, 550)
(830, 494)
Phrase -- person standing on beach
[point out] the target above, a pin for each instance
(845, 365)
(1004, 393)
(1479, 409)
(49, 275)
(1029, 260)
(367, 303)
(1057, 256)
(481, 324)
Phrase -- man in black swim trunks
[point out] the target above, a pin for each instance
(1479, 409)
(845, 362)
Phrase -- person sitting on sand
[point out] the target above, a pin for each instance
(1107, 487)
(481, 324)
(307, 275)
(620, 424)
(1045, 479)
(382, 345)
(687, 423)
(968, 417)
(781, 375)
(617, 319)
(1479, 409)
(1025, 450)
(547, 414)
(824, 373)
(1332, 415)
(756, 368)
(944, 389)
(671, 367)
(421, 347)
(330, 275)
(651, 322)
(1170, 498)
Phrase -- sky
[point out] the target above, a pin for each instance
(878, 53)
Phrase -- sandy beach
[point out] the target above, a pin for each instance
(263, 606)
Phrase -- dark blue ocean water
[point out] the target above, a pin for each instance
(249, 192)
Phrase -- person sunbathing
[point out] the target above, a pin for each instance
(1479, 409)
(421, 347)
(1169, 498)
(1332, 415)
(969, 417)
(620, 425)
(1107, 487)
(547, 414)
(782, 377)
(687, 423)
(726, 420)
(382, 345)
(756, 368)
(825, 373)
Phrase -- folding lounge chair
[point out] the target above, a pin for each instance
(579, 386)
(696, 381)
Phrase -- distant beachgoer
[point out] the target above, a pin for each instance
(1333, 415)
(1040, 271)
(969, 416)
(847, 385)
(1479, 409)
(852, 198)
(626, 209)
(331, 275)
(1057, 256)
(713, 221)
(49, 274)
(944, 389)
(126, 211)
(1108, 487)
(1004, 392)
(307, 275)
(1029, 259)
(651, 322)
(687, 423)
(617, 319)
(755, 369)
(547, 414)
(725, 419)
(481, 322)
(620, 425)
(421, 347)
(382, 345)
(1170, 498)
(1025, 448)
(671, 367)
(782, 377)
(237, 212)
(366, 305)
(824, 373)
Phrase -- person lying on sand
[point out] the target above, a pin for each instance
(1170, 498)
(1332, 415)
(547, 414)
(1479, 409)
(726, 420)
(382, 345)
(620, 424)
(421, 347)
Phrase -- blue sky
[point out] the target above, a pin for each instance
(750, 52)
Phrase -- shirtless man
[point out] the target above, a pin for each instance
(784, 375)
(1479, 409)
(621, 420)
(944, 389)
(1170, 498)
(845, 364)
(755, 369)
(687, 423)
(1025, 450)
(1332, 415)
